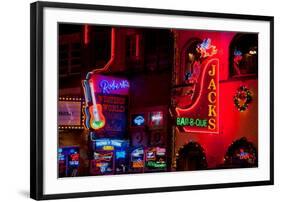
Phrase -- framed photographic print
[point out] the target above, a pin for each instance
(135, 100)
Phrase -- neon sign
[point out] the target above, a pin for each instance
(182, 121)
(103, 108)
(110, 144)
(206, 49)
(107, 86)
(156, 119)
(156, 164)
(68, 159)
(155, 158)
(137, 158)
(139, 120)
(120, 154)
(202, 115)
(102, 163)
(137, 152)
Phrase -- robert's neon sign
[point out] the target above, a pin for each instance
(107, 86)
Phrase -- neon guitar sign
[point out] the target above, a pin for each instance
(103, 85)
(94, 118)
(97, 120)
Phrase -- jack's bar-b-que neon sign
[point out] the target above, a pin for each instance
(202, 115)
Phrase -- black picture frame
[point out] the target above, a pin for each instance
(37, 99)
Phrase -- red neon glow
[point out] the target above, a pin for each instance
(112, 58)
(179, 110)
(86, 34)
(74, 157)
(137, 46)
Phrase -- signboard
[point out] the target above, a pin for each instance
(121, 161)
(114, 109)
(156, 158)
(106, 105)
(156, 120)
(69, 113)
(138, 120)
(137, 158)
(201, 112)
(110, 144)
(110, 85)
(68, 158)
(102, 163)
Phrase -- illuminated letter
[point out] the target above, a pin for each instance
(212, 124)
(212, 111)
(212, 85)
(212, 72)
(212, 95)
(178, 121)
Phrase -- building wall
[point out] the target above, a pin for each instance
(232, 124)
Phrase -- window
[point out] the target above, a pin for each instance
(132, 45)
(243, 56)
(70, 54)
(191, 61)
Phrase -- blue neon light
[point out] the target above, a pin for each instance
(205, 44)
(138, 152)
(111, 142)
(120, 154)
(237, 52)
(108, 86)
(139, 120)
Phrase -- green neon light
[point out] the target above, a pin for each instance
(156, 164)
(183, 121)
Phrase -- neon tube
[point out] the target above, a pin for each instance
(112, 57)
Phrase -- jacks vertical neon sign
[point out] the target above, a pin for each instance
(202, 115)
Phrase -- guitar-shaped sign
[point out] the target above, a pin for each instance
(97, 120)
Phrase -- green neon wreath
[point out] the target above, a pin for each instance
(242, 98)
